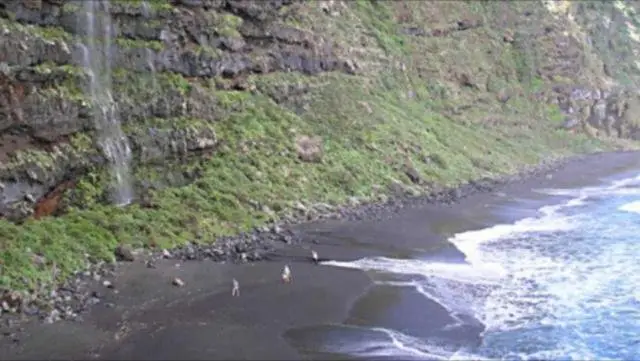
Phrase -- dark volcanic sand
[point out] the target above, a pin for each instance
(148, 318)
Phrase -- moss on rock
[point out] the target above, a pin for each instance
(142, 44)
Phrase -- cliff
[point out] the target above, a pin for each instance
(238, 112)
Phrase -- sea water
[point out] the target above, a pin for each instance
(563, 285)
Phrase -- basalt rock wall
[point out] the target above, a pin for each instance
(171, 61)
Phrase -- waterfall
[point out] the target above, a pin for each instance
(96, 59)
(146, 13)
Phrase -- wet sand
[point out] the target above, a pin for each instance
(150, 319)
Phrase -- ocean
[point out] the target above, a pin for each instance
(563, 284)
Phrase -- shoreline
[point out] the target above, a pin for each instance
(257, 245)
(253, 246)
(288, 242)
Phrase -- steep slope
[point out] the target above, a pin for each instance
(239, 112)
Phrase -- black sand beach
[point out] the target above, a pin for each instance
(145, 317)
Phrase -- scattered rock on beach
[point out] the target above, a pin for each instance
(11, 301)
(53, 316)
(125, 253)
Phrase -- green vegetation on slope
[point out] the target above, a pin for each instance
(612, 29)
(362, 150)
(373, 125)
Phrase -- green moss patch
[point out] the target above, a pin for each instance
(137, 43)
(80, 146)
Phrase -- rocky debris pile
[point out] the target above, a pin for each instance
(66, 302)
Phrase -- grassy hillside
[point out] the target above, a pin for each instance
(448, 91)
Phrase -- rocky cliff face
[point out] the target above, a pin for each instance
(181, 69)
(168, 59)
(607, 102)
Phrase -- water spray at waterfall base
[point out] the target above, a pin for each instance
(97, 60)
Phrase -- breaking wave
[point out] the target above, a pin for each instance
(561, 285)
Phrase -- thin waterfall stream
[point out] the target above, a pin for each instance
(146, 13)
(96, 59)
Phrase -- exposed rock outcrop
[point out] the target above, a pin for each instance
(613, 113)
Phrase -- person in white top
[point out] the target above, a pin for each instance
(286, 274)
(235, 291)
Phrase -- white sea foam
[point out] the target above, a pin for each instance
(400, 346)
(511, 282)
(619, 187)
(633, 207)
(457, 272)
(396, 344)
(549, 221)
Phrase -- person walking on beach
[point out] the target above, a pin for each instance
(235, 291)
(286, 274)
